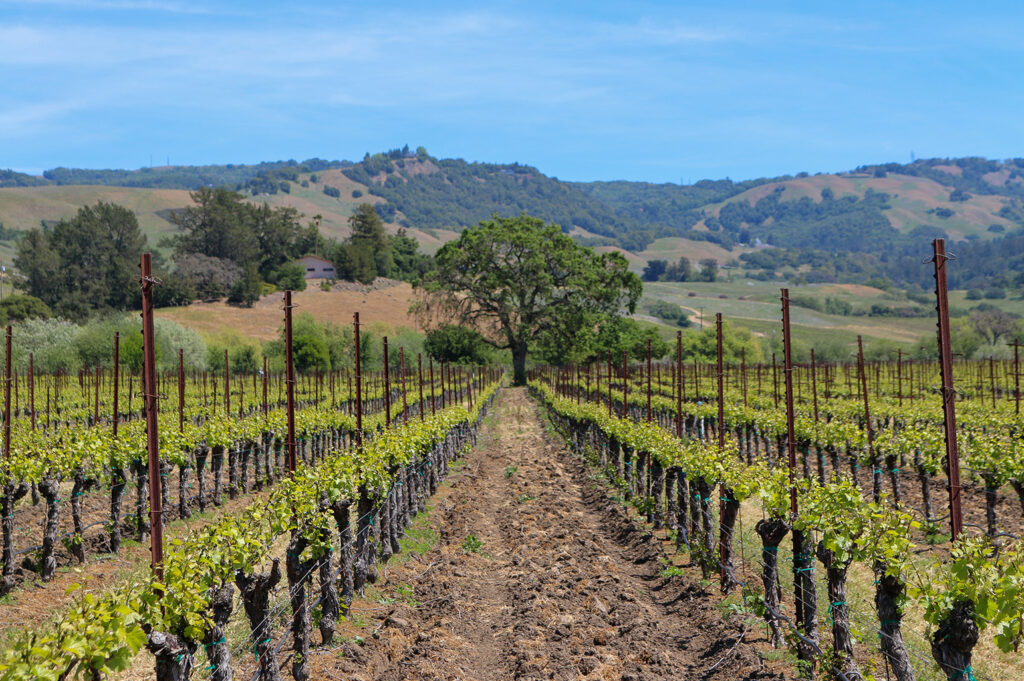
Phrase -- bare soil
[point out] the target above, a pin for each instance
(538, 575)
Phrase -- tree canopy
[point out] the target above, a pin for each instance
(512, 278)
(87, 263)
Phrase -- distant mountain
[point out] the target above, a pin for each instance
(874, 220)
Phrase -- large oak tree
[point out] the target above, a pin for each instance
(514, 278)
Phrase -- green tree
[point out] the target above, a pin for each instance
(86, 263)
(218, 226)
(246, 290)
(454, 343)
(703, 345)
(514, 278)
(654, 270)
(708, 269)
(289, 277)
(366, 253)
(19, 306)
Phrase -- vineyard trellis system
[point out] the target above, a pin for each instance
(668, 443)
(330, 454)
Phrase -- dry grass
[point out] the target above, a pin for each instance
(262, 321)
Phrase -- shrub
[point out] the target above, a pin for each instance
(333, 192)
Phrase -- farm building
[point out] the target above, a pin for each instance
(317, 267)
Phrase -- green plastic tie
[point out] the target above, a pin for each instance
(770, 549)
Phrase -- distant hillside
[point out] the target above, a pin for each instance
(873, 221)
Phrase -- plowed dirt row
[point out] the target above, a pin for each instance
(536, 575)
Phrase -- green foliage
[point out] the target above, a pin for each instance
(185, 177)
(457, 344)
(472, 544)
(18, 307)
(288, 277)
(514, 278)
(223, 225)
(366, 253)
(703, 345)
(61, 345)
(456, 194)
(670, 312)
(246, 290)
(87, 263)
(333, 192)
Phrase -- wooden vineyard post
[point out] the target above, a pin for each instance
(803, 552)
(264, 377)
(419, 377)
(728, 505)
(433, 402)
(876, 471)
(387, 386)
(359, 383)
(1017, 381)
(96, 397)
(743, 373)
(679, 384)
(117, 379)
(181, 390)
(940, 259)
(814, 384)
(32, 388)
(405, 400)
(289, 369)
(625, 386)
(7, 393)
(609, 383)
(650, 415)
(899, 376)
(156, 515)
(227, 384)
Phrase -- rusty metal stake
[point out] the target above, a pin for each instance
(156, 515)
(948, 393)
(289, 368)
(359, 383)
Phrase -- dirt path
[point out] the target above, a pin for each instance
(536, 575)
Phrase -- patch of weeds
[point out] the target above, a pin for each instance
(523, 498)
(510, 471)
(671, 571)
(472, 544)
(407, 594)
(356, 619)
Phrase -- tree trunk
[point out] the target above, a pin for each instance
(298, 577)
(117, 486)
(730, 509)
(77, 539)
(174, 656)
(954, 641)
(839, 611)
(519, 363)
(11, 494)
(772, 531)
(707, 530)
(217, 649)
(806, 596)
(217, 464)
(141, 499)
(183, 507)
(201, 477)
(49, 488)
(341, 519)
(255, 590)
(888, 593)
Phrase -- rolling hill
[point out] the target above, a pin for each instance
(871, 221)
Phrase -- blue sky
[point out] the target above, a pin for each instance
(657, 91)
